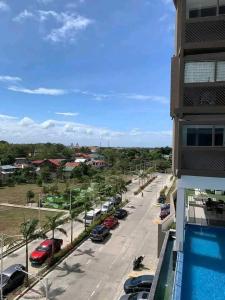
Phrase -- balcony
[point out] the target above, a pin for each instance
(205, 33)
(203, 161)
(207, 97)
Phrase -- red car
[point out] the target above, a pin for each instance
(44, 250)
(110, 222)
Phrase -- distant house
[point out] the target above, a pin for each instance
(81, 160)
(68, 168)
(97, 163)
(93, 149)
(21, 163)
(52, 164)
(55, 163)
(83, 155)
(6, 171)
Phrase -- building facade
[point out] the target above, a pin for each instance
(198, 99)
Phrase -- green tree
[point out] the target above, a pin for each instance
(30, 195)
(28, 230)
(54, 222)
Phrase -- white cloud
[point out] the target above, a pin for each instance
(7, 117)
(163, 18)
(45, 1)
(10, 79)
(71, 25)
(46, 14)
(4, 6)
(23, 16)
(38, 91)
(142, 97)
(27, 130)
(48, 124)
(26, 121)
(67, 114)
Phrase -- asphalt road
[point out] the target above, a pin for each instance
(97, 271)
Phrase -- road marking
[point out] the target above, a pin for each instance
(98, 285)
(88, 262)
(92, 293)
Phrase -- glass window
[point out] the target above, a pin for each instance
(219, 136)
(201, 8)
(208, 12)
(222, 7)
(220, 74)
(204, 136)
(191, 137)
(199, 72)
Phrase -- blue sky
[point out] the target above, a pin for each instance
(86, 71)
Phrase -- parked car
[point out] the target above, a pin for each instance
(135, 296)
(141, 283)
(44, 251)
(92, 216)
(12, 278)
(165, 211)
(115, 200)
(110, 222)
(99, 233)
(120, 213)
(107, 206)
(162, 199)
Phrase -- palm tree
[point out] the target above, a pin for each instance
(53, 223)
(28, 230)
(87, 204)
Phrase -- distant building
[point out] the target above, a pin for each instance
(6, 171)
(21, 163)
(69, 167)
(97, 163)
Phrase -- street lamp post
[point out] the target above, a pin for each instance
(45, 285)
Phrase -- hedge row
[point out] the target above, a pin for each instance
(144, 185)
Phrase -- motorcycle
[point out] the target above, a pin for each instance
(138, 262)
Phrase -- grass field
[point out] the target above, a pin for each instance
(17, 194)
(11, 218)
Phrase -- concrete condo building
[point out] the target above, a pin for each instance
(198, 101)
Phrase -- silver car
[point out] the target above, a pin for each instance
(135, 296)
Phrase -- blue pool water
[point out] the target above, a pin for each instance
(204, 264)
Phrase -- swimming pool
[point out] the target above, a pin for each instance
(203, 263)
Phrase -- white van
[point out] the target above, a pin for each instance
(107, 206)
(92, 216)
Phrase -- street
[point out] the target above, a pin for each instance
(98, 270)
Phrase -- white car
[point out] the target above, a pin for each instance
(107, 206)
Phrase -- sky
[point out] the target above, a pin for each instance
(87, 71)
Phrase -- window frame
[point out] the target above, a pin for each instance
(213, 127)
(218, 5)
(215, 75)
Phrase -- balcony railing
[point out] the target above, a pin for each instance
(207, 159)
(205, 30)
(204, 94)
